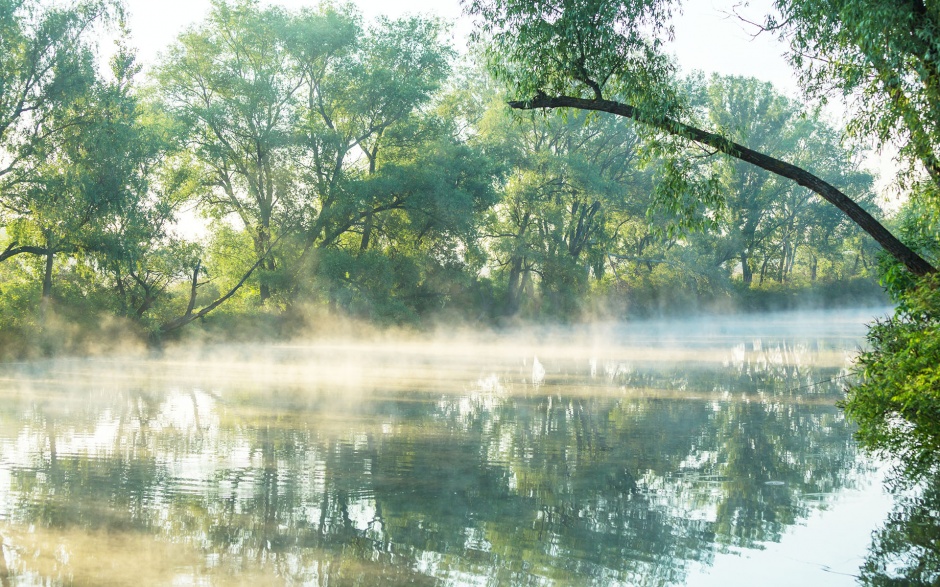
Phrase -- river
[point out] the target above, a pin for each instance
(696, 452)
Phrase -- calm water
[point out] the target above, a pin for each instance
(657, 454)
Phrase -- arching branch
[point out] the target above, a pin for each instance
(914, 262)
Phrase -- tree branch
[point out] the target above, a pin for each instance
(189, 316)
(12, 250)
(914, 262)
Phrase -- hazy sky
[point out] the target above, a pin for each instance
(707, 38)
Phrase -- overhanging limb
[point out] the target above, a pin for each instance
(914, 262)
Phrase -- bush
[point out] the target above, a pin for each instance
(897, 402)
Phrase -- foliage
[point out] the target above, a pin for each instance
(348, 167)
(881, 57)
(57, 137)
(768, 223)
(898, 400)
(897, 404)
(568, 187)
(588, 47)
(585, 48)
(917, 222)
(283, 107)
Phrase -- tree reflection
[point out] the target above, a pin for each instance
(905, 552)
(628, 478)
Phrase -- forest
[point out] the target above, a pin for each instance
(277, 167)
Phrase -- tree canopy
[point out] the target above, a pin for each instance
(605, 56)
(361, 168)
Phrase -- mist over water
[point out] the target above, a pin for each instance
(632, 454)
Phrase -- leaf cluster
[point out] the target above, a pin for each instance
(897, 403)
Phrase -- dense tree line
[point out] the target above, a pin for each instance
(364, 169)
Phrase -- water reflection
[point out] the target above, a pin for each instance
(346, 464)
(906, 549)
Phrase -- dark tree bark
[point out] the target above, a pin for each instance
(47, 275)
(914, 262)
(746, 275)
(513, 292)
(12, 250)
(262, 245)
(190, 315)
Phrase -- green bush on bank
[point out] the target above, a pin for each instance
(897, 402)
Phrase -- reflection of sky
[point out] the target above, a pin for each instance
(826, 549)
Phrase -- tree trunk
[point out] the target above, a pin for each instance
(746, 274)
(514, 293)
(763, 269)
(190, 315)
(914, 262)
(262, 244)
(371, 154)
(47, 276)
(366, 232)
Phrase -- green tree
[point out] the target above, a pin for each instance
(230, 82)
(897, 404)
(598, 56)
(43, 70)
(291, 113)
(879, 56)
(767, 220)
(59, 127)
(570, 186)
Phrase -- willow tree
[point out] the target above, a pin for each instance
(767, 217)
(230, 81)
(63, 152)
(881, 58)
(357, 107)
(289, 110)
(606, 56)
(570, 190)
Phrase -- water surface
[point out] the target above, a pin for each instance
(646, 454)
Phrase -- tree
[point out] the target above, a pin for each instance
(594, 55)
(569, 187)
(355, 109)
(881, 58)
(290, 114)
(41, 53)
(230, 82)
(55, 114)
(766, 219)
(897, 402)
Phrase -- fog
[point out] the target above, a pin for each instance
(345, 359)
